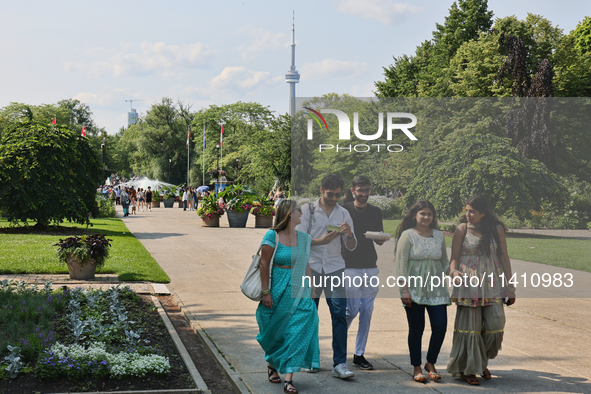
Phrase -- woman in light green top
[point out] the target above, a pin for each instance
(421, 259)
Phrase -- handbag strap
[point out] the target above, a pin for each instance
(274, 250)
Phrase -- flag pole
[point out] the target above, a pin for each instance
(188, 152)
(222, 123)
(203, 153)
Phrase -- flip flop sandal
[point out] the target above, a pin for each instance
(471, 379)
(486, 374)
(270, 372)
(433, 375)
(420, 378)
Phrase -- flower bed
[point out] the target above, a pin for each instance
(78, 340)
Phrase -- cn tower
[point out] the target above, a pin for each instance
(292, 76)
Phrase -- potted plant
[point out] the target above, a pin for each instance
(238, 201)
(263, 211)
(170, 193)
(156, 199)
(83, 254)
(210, 211)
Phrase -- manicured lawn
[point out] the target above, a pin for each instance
(391, 225)
(35, 253)
(556, 251)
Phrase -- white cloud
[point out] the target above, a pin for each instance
(385, 11)
(262, 40)
(331, 68)
(239, 77)
(143, 59)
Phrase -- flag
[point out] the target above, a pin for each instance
(54, 120)
(83, 131)
(204, 144)
(188, 136)
(222, 136)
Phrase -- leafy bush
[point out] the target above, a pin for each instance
(48, 174)
(447, 227)
(485, 165)
(512, 221)
(106, 207)
(391, 208)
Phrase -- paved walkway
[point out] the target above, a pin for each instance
(546, 346)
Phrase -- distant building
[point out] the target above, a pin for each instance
(132, 117)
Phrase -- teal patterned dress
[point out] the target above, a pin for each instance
(288, 332)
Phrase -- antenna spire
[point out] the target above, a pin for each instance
(292, 76)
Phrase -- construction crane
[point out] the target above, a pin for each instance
(131, 103)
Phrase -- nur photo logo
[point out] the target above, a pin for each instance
(344, 130)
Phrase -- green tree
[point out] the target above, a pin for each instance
(427, 73)
(48, 174)
(485, 165)
(582, 36)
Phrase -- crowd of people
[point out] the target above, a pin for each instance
(323, 239)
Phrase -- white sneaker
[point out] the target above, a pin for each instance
(311, 370)
(342, 371)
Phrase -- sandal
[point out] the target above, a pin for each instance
(420, 378)
(433, 375)
(271, 371)
(486, 374)
(471, 379)
(287, 389)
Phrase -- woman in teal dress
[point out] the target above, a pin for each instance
(421, 254)
(287, 316)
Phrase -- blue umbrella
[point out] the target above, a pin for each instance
(202, 189)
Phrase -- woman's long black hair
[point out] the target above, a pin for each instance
(408, 221)
(488, 226)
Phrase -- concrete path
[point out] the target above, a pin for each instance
(546, 346)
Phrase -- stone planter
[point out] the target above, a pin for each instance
(169, 202)
(78, 271)
(215, 222)
(238, 219)
(262, 221)
(156, 204)
(181, 204)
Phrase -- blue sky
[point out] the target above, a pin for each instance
(206, 52)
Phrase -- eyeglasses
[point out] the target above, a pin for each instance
(333, 195)
(298, 209)
(362, 191)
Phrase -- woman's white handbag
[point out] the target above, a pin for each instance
(252, 286)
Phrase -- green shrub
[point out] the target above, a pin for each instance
(512, 222)
(106, 207)
(391, 208)
(447, 227)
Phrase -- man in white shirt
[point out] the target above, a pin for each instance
(326, 262)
